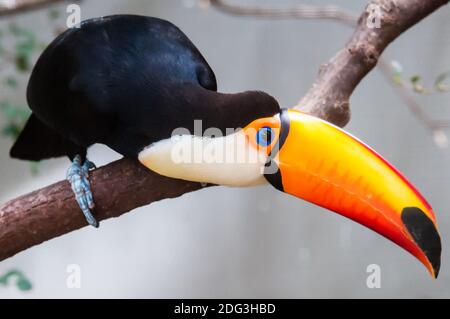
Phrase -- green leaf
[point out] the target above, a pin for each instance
(14, 111)
(26, 44)
(17, 31)
(4, 279)
(16, 117)
(11, 82)
(53, 14)
(22, 63)
(12, 130)
(417, 87)
(21, 282)
(439, 83)
(415, 79)
(24, 284)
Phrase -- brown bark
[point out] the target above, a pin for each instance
(298, 12)
(20, 6)
(124, 185)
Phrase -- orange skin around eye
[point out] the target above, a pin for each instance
(252, 129)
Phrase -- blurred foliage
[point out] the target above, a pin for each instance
(440, 85)
(19, 46)
(11, 82)
(21, 281)
(415, 85)
(54, 13)
(15, 116)
(23, 47)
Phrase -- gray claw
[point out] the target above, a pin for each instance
(78, 176)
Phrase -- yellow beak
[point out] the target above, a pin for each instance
(324, 165)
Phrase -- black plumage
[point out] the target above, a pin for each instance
(125, 81)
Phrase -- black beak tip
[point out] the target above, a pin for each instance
(425, 234)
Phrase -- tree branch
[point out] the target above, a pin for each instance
(11, 7)
(297, 12)
(125, 185)
(52, 211)
(330, 94)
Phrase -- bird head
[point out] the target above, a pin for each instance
(313, 160)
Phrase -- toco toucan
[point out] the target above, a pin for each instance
(130, 82)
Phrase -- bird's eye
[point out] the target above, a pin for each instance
(264, 136)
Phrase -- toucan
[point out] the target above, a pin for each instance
(138, 85)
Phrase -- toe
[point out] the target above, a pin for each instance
(91, 219)
(88, 194)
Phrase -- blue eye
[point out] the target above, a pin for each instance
(264, 136)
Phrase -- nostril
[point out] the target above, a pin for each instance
(424, 233)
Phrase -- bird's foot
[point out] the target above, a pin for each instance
(78, 176)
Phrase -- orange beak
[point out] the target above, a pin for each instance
(320, 163)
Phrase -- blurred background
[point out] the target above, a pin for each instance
(242, 243)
